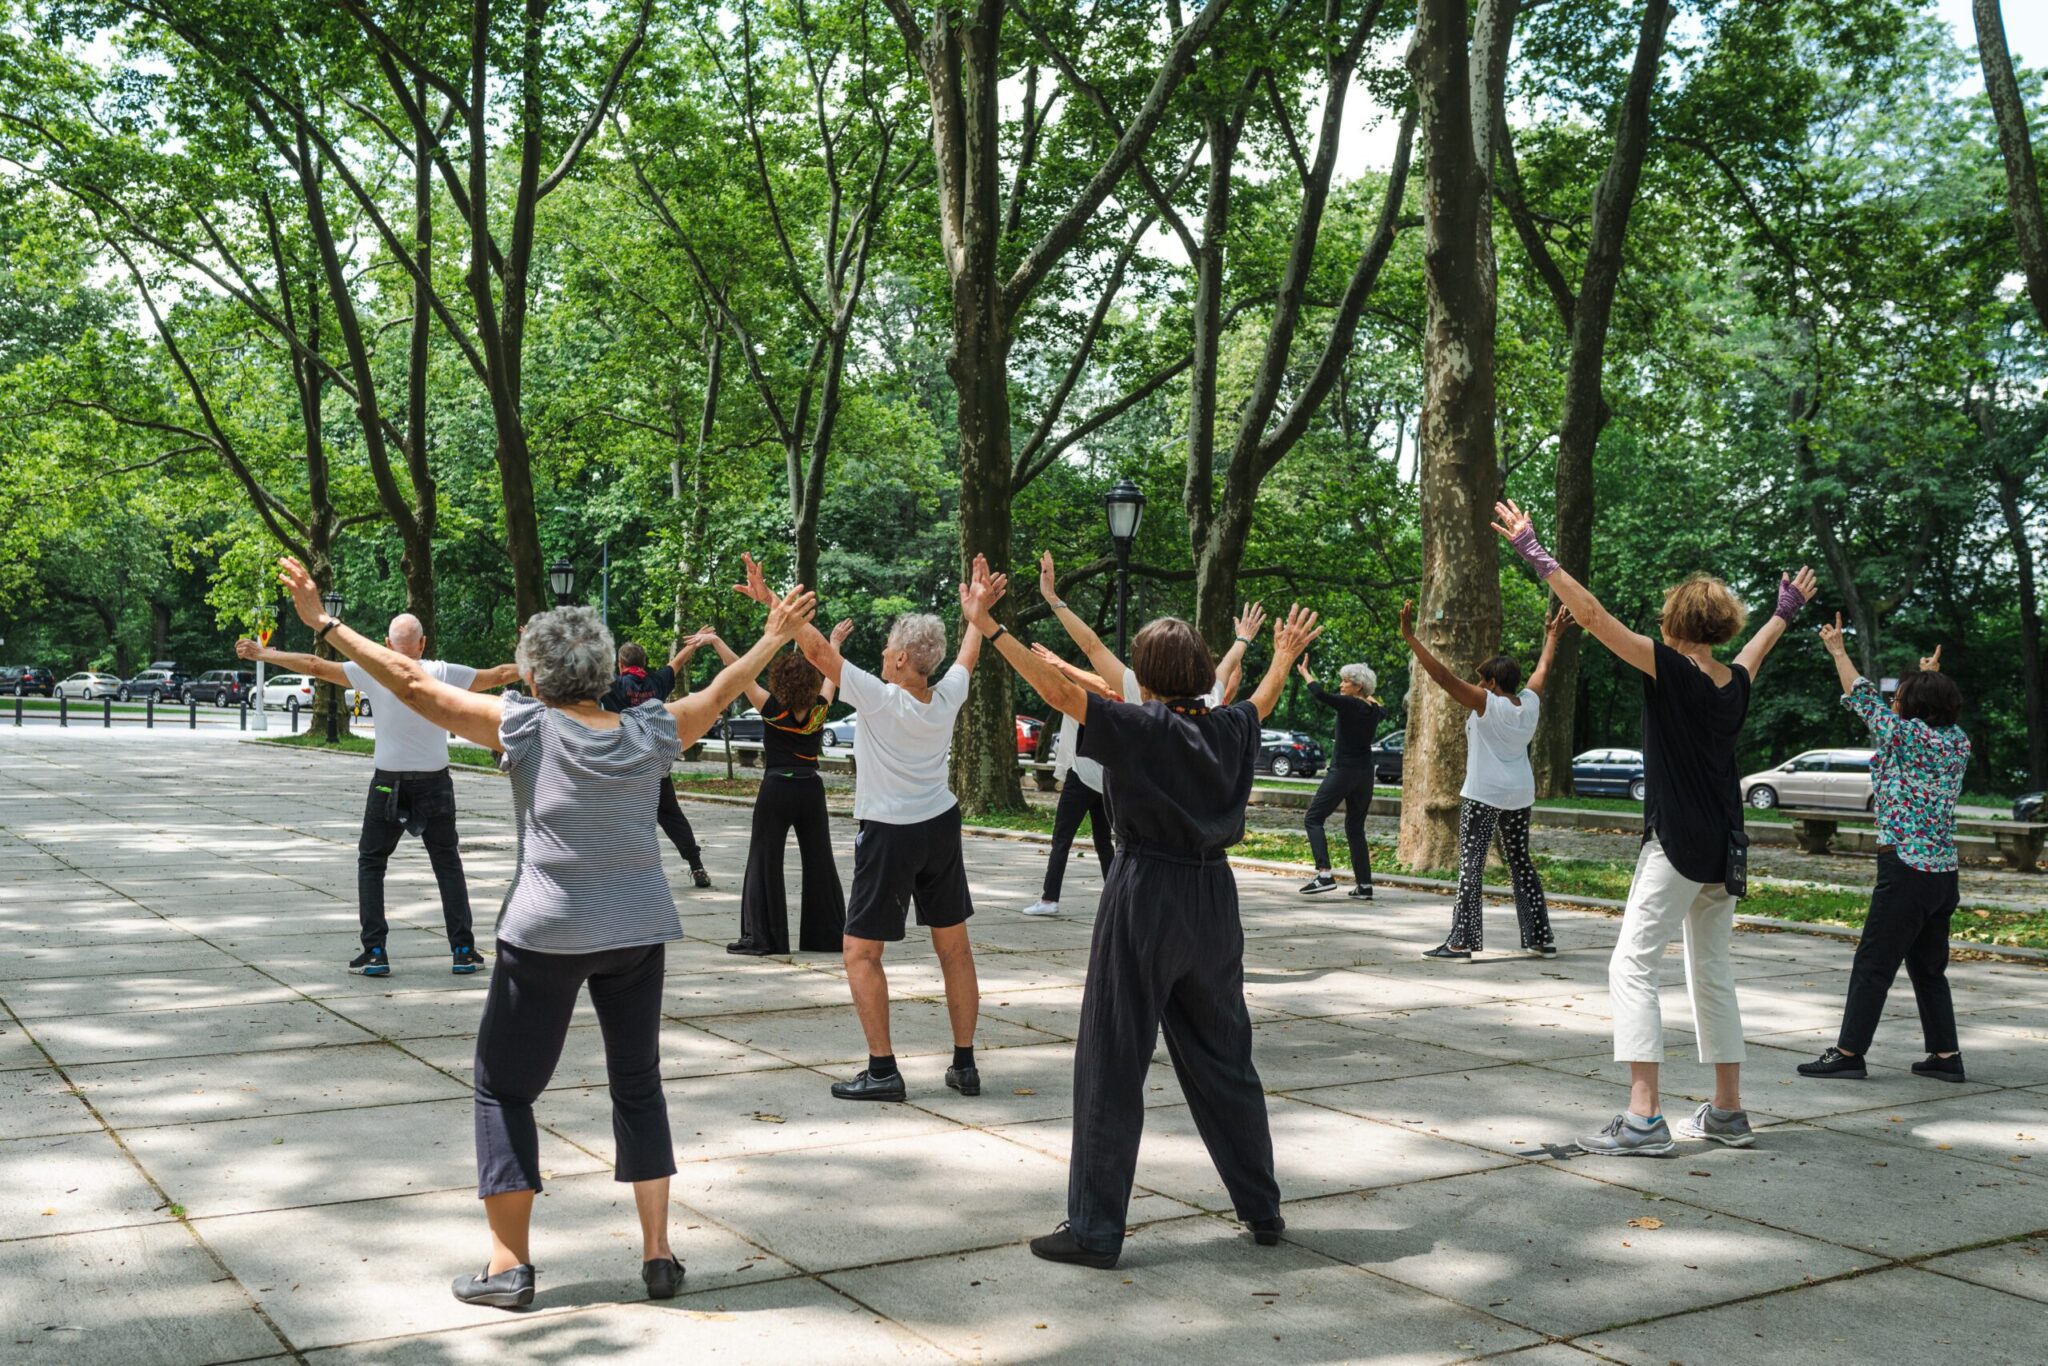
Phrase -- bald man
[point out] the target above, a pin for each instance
(411, 790)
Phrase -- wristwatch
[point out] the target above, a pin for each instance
(321, 634)
(1000, 631)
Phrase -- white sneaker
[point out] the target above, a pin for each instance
(1043, 908)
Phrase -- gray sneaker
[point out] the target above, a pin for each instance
(1622, 1139)
(1723, 1126)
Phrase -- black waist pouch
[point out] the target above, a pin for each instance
(1737, 880)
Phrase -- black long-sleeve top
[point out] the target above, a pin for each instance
(1357, 722)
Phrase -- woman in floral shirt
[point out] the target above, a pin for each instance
(1915, 779)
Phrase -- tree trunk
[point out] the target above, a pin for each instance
(416, 561)
(1459, 617)
(2034, 691)
(2022, 186)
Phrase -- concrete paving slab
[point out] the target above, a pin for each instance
(1188, 1290)
(1304, 1055)
(40, 998)
(17, 1049)
(429, 1014)
(70, 1184)
(193, 1033)
(144, 1093)
(748, 985)
(2018, 1267)
(1344, 991)
(1993, 1056)
(831, 1035)
(685, 1052)
(1020, 1085)
(142, 1296)
(1898, 1315)
(2007, 1129)
(1538, 1247)
(1512, 1031)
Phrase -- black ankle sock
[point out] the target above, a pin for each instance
(882, 1068)
(963, 1055)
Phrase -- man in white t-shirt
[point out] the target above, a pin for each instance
(907, 853)
(410, 790)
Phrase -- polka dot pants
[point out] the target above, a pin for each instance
(1478, 826)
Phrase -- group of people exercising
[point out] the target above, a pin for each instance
(1153, 749)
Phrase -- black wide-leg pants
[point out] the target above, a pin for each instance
(1168, 952)
(792, 801)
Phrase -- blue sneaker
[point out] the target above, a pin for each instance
(467, 960)
(371, 963)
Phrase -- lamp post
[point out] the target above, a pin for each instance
(332, 601)
(562, 578)
(1124, 506)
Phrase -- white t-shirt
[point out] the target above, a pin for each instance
(1067, 756)
(406, 741)
(1136, 695)
(1497, 740)
(899, 746)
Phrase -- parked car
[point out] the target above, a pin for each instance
(2030, 806)
(746, 728)
(158, 685)
(837, 733)
(1288, 754)
(287, 692)
(1028, 728)
(1386, 757)
(1609, 773)
(222, 687)
(27, 680)
(1818, 778)
(89, 685)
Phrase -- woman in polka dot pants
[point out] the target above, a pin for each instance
(1499, 789)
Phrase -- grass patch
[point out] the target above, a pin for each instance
(363, 744)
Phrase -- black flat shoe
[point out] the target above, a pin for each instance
(511, 1288)
(1940, 1068)
(1062, 1246)
(1834, 1063)
(663, 1277)
(865, 1087)
(700, 877)
(1360, 893)
(1266, 1232)
(746, 949)
(965, 1080)
(1446, 953)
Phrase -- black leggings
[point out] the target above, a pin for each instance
(1077, 799)
(669, 816)
(1478, 826)
(526, 1021)
(792, 801)
(1908, 923)
(1352, 787)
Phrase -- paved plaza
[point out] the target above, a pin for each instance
(216, 1145)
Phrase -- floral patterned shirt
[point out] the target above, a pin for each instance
(1914, 780)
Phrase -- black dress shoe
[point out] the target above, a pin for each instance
(700, 877)
(747, 948)
(1940, 1068)
(1266, 1232)
(1062, 1246)
(1360, 893)
(1448, 953)
(865, 1087)
(663, 1277)
(511, 1288)
(1834, 1063)
(965, 1080)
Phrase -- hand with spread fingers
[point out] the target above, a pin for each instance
(789, 615)
(1292, 637)
(304, 592)
(840, 632)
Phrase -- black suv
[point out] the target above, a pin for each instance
(157, 684)
(27, 680)
(222, 687)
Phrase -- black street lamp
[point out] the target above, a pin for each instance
(332, 601)
(562, 578)
(1124, 506)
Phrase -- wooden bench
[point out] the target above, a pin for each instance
(2018, 841)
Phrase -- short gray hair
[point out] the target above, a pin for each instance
(921, 636)
(1362, 675)
(566, 654)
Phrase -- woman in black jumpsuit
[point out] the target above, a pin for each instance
(792, 797)
(1168, 948)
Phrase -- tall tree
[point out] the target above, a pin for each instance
(2015, 144)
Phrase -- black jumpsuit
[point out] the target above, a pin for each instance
(1168, 951)
(792, 798)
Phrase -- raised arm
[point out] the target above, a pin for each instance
(978, 595)
(1630, 647)
(327, 670)
(756, 694)
(473, 716)
(1553, 631)
(1291, 639)
(1230, 670)
(829, 689)
(1794, 592)
(1099, 656)
(497, 676)
(695, 714)
(823, 654)
(1088, 682)
(1846, 673)
(971, 637)
(1468, 695)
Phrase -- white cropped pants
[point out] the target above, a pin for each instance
(1664, 904)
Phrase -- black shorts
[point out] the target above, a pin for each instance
(896, 865)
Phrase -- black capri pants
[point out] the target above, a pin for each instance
(526, 1021)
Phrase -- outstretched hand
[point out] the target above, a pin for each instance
(1560, 621)
(1293, 636)
(755, 585)
(1407, 620)
(248, 649)
(1249, 621)
(1510, 521)
(305, 593)
(1048, 581)
(981, 591)
(1794, 592)
(1831, 637)
(840, 631)
(789, 615)
(1301, 667)
(1931, 664)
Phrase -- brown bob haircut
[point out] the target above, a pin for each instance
(632, 655)
(795, 682)
(1930, 697)
(1171, 660)
(1702, 610)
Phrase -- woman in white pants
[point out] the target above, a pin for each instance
(1692, 867)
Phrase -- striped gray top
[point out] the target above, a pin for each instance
(589, 875)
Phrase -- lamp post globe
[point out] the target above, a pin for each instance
(332, 601)
(1123, 507)
(562, 578)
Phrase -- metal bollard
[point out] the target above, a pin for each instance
(63, 709)
(295, 719)
(106, 713)
(17, 709)
(149, 712)
(191, 713)
(243, 706)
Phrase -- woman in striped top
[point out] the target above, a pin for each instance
(589, 902)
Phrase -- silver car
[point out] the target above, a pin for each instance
(89, 685)
(1826, 779)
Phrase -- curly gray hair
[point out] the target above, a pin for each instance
(921, 636)
(566, 654)
(1362, 675)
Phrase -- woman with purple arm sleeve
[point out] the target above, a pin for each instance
(1915, 780)
(1692, 866)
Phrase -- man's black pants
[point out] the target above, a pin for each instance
(1077, 799)
(669, 816)
(526, 1021)
(1908, 922)
(1352, 788)
(421, 804)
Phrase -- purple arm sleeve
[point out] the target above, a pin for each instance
(1532, 552)
(1789, 601)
